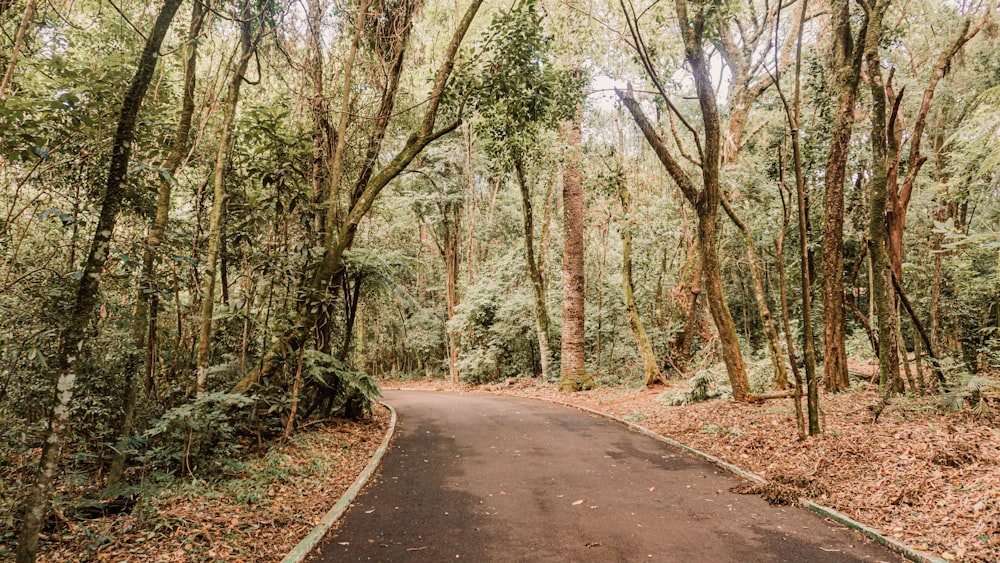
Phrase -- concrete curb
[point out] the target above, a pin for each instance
(893, 545)
(312, 539)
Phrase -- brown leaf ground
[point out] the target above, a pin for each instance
(255, 516)
(925, 477)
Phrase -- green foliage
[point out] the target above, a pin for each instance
(351, 392)
(970, 392)
(520, 92)
(704, 387)
(198, 436)
(496, 332)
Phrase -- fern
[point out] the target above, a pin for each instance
(351, 392)
(970, 391)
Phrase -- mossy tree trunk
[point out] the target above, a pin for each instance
(573, 374)
(650, 369)
(537, 283)
(844, 68)
(705, 199)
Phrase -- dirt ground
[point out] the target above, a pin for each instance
(928, 478)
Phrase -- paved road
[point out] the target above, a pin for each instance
(484, 478)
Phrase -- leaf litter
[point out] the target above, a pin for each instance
(212, 522)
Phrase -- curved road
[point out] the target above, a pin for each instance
(484, 478)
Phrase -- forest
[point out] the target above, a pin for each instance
(226, 223)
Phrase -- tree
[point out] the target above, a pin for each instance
(146, 301)
(705, 199)
(74, 332)
(249, 37)
(519, 96)
(884, 149)
(650, 368)
(369, 185)
(844, 68)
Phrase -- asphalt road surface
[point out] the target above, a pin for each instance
(483, 478)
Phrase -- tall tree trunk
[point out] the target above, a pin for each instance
(143, 335)
(330, 227)
(322, 133)
(705, 200)
(707, 204)
(573, 376)
(779, 247)
(239, 69)
(877, 236)
(844, 64)
(74, 333)
(812, 385)
(766, 319)
(537, 285)
(450, 253)
(650, 369)
(792, 115)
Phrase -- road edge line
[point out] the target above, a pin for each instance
(312, 539)
(896, 546)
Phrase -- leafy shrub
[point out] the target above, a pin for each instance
(199, 435)
(970, 392)
(346, 391)
(497, 335)
(703, 388)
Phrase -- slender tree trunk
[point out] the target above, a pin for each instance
(573, 376)
(650, 369)
(15, 51)
(143, 335)
(290, 424)
(766, 319)
(938, 239)
(352, 297)
(901, 347)
(779, 245)
(844, 63)
(450, 252)
(239, 69)
(792, 114)
(330, 228)
(322, 133)
(537, 285)
(74, 333)
(877, 235)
